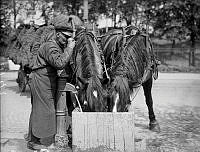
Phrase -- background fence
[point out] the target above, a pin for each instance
(177, 56)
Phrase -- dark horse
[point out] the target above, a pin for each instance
(131, 63)
(89, 71)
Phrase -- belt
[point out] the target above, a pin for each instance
(40, 68)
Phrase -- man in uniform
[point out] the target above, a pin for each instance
(53, 55)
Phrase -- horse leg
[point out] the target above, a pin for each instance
(147, 86)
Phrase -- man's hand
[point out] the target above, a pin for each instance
(70, 46)
(71, 43)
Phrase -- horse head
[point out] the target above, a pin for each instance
(89, 71)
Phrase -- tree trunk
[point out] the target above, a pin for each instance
(14, 13)
(46, 19)
(85, 13)
(172, 49)
(192, 49)
(114, 19)
(128, 20)
(192, 37)
(74, 8)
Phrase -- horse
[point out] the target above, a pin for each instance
(89, 73)
(131, 64)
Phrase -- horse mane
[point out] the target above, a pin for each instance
(90, 54)
(111, 45)
(87, 59)
(120, 84)
(94, 83)
(132, 60)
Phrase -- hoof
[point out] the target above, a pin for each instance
(154, 126)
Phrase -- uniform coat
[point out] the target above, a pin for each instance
(43, 85)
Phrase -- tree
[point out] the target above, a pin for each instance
(97, 8)
(130, 11)
(69, 6)
(181, 16)
(4, 26)
(16, 6)
(110, 8)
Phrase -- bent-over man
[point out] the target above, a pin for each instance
(52, 56)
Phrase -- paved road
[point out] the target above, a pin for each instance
(15, 107)
(176, 102)
(15, 110)
(176, 89)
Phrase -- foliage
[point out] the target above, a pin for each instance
(174, 18)
(171, 19)
(69, 6)
(4, 26)
(11, 10)
(25, 42)
(130, 11)
(108, 7)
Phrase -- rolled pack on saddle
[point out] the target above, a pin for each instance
(25, 42)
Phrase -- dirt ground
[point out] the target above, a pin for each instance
(176, 105)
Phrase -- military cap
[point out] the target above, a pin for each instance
(61, 24)
(66, 30)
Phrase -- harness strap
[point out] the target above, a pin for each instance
(37, 69)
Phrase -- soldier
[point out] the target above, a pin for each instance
(53, 55)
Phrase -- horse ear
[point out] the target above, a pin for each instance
(82, 80)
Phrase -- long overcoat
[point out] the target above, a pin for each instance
(43, 85)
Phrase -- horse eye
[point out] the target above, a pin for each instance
(95, 93)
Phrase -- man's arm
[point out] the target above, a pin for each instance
(60, 60)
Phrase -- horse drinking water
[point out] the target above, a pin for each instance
(131, 63)
(89, 72)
